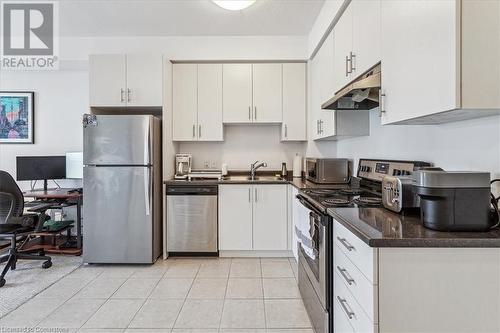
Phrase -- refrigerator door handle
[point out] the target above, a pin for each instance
(146, 144)
(147, 193)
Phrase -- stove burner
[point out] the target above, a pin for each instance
(336, 201)
(320, 192)
(368, 201)
(351, 191)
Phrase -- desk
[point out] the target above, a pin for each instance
(65, 199)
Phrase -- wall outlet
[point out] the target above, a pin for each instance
(213, 164)
(206, 164)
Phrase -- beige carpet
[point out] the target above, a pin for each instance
(29, 279)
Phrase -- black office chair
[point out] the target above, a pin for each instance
(14, 225)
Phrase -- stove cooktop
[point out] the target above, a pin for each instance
(343, 197)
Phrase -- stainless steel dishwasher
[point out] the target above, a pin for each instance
(191, 219)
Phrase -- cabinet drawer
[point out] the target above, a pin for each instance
(349, 307)
(360, 254)
(359, 286)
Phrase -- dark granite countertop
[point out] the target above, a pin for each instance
(379, 227)
(299, 183)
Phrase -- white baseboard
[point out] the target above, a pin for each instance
(256, 254)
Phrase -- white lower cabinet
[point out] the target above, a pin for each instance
(427, 290)
(235, 217)
(253, 217)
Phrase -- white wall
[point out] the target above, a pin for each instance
(61, 97)
(244, 144)
(466, 145)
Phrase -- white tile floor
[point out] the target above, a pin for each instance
(178, 295)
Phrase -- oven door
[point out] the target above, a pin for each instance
(313, 272)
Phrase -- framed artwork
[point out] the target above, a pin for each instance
(17, 116)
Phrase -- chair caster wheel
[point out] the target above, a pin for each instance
(13, 267)
(2, 282)
(47, 264)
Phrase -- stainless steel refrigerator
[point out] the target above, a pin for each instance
(122, 188)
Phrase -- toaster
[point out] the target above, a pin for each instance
(398, 194)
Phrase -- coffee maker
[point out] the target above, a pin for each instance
(182, 166)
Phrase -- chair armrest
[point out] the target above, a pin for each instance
(40, 208)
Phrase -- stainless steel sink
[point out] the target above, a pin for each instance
(257, 178)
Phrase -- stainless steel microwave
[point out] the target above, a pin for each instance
(328, 170)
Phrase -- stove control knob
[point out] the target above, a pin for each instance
(406, 172)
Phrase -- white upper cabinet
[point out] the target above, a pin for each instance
(184, 101)
(144, 80)
(342, 35)
(270, 218)
(237, 93)
(210, 126)
(365, 35)
(252, 93)
(439, 57)
(118, 80)
(197, 102)
(294, 127)
(108, 80)
(267, 93)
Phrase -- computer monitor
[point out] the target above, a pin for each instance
(74, 165)
(41, 168)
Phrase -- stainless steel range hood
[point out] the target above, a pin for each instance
(360, 94)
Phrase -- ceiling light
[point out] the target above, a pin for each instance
(234, 4)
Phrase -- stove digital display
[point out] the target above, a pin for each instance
(382, 168)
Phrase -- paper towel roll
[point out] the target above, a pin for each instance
(297, 166)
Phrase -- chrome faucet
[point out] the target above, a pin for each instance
(254, 166)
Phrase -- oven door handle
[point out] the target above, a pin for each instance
(304, 202)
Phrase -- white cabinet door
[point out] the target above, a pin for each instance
(324, 75)
(237, 93)
(107, 79)
(365, 35)
(184, 99)
(210, 126)
(296, 216)
(294, 103)
(267, 93)
(343, 48)
(144, 80)
(269, 217)
(235, 217)
(419, 54)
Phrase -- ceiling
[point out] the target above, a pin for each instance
(91, 18)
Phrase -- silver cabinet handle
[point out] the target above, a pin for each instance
(344, 305)
(320, 126)
(129, 93)
(381, 106)
(344, 242)
(345, 275)
(194, 130)
(346, 66)
(255, 113)
(249, 113)
(351, 62)
(249, 195)
(286, 131)
(199, 131)
(317, 126)
(122, 99)
(255, 191)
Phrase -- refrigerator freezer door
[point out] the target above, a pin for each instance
(118, 215)
(117, 140)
